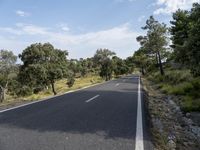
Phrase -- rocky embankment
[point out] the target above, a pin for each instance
(171, 128)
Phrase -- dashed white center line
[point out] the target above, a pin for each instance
(92, 98)
(117, 84)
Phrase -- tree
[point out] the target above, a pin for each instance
(102, 57)
(84, 67)
(156, 40)
(141, 60)
(42, 65)
(70, 79)
(192, 44)
(185, 37)
(7, 67)
(179, 32)
(119, 66)
(129, 61)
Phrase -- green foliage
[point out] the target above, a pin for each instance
(190, 104)
(42, 65)
(171, 76)
(70, 81)
(179, 32)
(81, 67)
(181, 83)
(103, 59)
(8, 71)
(119, 66)
(186, 37)
(129, 62)
(179, 89)
(141, 60)
(153, 45)
(24, 91)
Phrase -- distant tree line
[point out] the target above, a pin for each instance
(185, 37)
(42, 65)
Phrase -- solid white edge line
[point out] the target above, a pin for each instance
(87, 101)
(139, 144)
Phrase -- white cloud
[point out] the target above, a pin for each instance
(63, 27)
(170, 6)
(34, 30)
(121, 39)
(22, 13)
(10, 30)
(25, 29)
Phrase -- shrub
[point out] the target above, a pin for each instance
(24, 91)
(70, 82)
(190, 104)
(38, 89)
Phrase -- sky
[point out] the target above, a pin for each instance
(81, 26)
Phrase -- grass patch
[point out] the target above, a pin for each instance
(190, 104)
(60, 86)
(181, 83)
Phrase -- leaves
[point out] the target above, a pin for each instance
(153, 45)
(42, 65)
(186, 36)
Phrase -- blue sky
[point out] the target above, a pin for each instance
(81, 26)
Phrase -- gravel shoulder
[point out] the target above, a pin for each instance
(171, 128)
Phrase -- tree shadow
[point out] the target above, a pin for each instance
(113, 113)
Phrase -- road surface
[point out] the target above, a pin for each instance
(102, 117)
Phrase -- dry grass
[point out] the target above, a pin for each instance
(61, 87)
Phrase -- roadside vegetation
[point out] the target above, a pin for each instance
(45, 71)
(182, 84)
(171, 79)
(175, 69)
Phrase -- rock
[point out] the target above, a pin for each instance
(157, 124)
(185, 144)
(171, 136)
(188, 115)
(187, 121)
(177, 127)
(195, 130)
(190, 135)
(171, 145)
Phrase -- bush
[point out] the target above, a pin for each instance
(24, 91)
(70, 82)
(180, 82)
(171, 76)
(38, 89)
(190, 104)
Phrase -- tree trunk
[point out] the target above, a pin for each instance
(53, 88)
(2, 94)
(106, 77)
(157, 61)
(142, 69)
(160, 64)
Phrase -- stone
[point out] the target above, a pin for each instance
(177, 127)
(195, 130)
(188, 115)
(185, 143)
(171, 145)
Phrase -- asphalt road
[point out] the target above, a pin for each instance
(102, 117)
